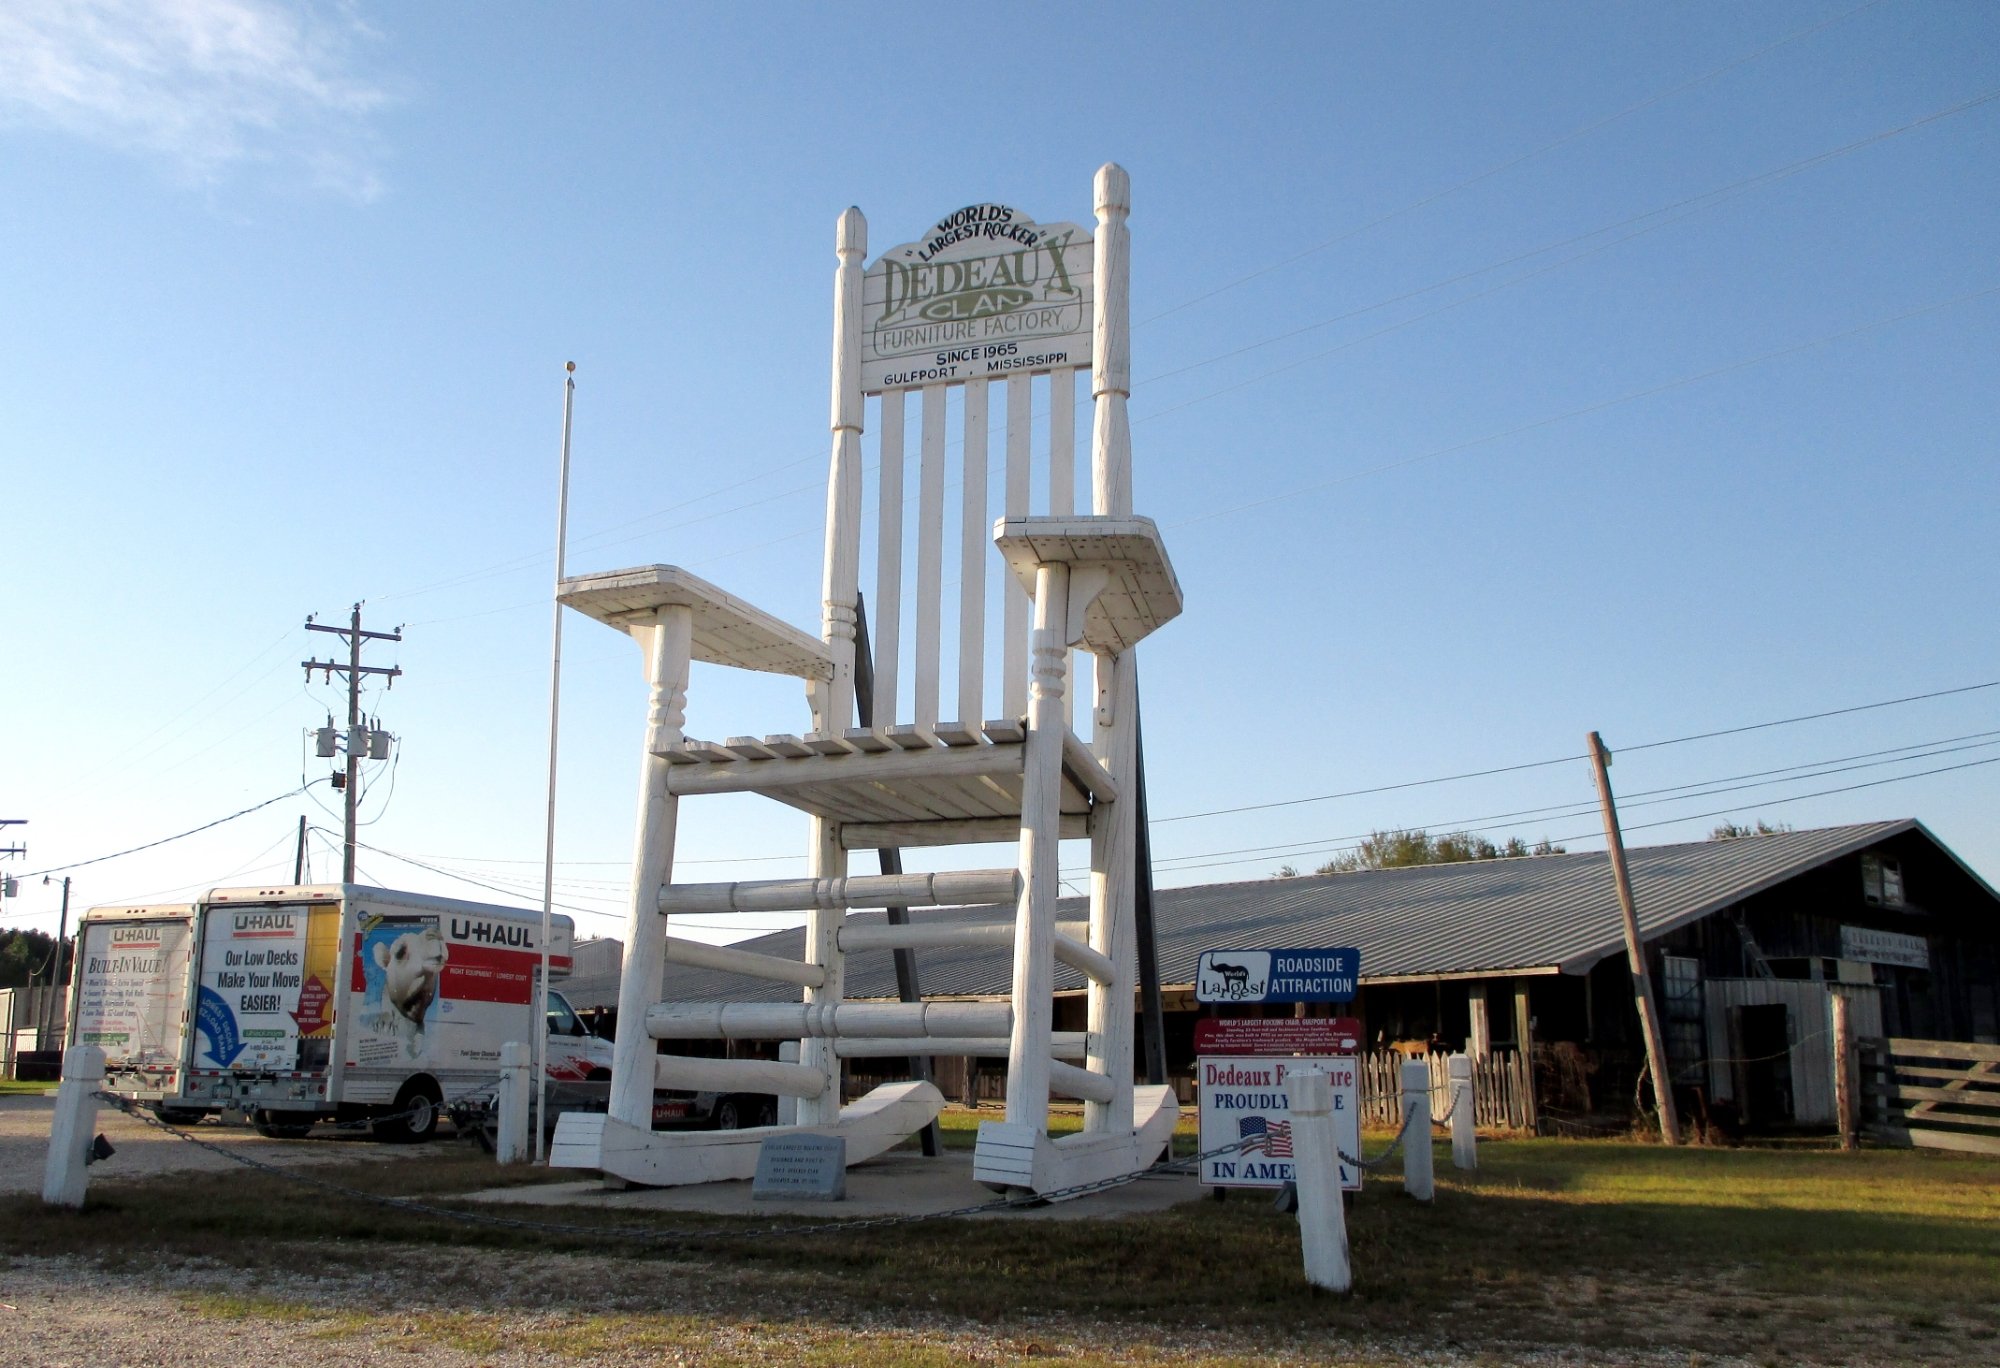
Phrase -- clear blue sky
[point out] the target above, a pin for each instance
(1504, 372)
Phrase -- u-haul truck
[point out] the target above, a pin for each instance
(319, 1002)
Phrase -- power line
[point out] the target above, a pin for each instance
(1565, 759)
(1814, 717)
(1677, 793)
(1641, 826)
(164, 840)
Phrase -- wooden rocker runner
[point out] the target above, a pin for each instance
(988, 301)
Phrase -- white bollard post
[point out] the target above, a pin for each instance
(1417, 1179)
(1464, 1114)
(788, 1107)
(1316, 1170)
(64, 1176)
(511, 1101)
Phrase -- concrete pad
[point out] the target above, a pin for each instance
(901, 1183)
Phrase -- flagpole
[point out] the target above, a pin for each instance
(555, 712)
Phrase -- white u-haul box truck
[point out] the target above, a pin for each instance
(319, 1002)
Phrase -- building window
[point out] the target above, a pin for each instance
(1680, 994)
(1881, 880)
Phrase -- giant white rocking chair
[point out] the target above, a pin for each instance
(1100, 581)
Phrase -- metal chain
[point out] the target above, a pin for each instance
(1384, 1156)
(443, 1108)
(656, 1236)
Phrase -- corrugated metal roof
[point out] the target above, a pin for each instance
(1540, 914)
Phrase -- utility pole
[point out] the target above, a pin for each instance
(1635, 951)
(357, 736)
(54, 993)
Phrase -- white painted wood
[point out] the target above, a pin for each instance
(1067, 1080)
(770, 776)
(1322, 1210)
(1418, 1180)
(1096, 967)
(885, 622)
(1034, 919)
(1087, 769)
(805, 1020)
(958, 887)
(860, 936)
(1463, 1104)
(1111, 362)
(788, 1107)
(963, 831)
(667, 643)
(1065, 1045)
(578, 1140)
(973, 555)
(1112, 895)
(1020, 1156)
(724, 629)
(65, 1173)
(1062, 445)
(869, 1126)
(929, 587)
(1137, 591)
(829, 863)
(693, 1074)
(510, 1103)
(1015, 599)
(1062, 490)
(840, 581)
(728, 960)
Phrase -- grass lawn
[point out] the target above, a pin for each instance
(1614, 1249)
(10, 1087)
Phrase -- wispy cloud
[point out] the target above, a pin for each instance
(206, 87)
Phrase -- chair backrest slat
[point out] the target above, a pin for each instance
(976, 550)
(885, 625)
(1014, 652)
(929, 587)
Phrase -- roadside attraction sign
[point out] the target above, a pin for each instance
(1329, 975)
(1241, 1063)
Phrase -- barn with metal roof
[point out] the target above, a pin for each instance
(1748, 940)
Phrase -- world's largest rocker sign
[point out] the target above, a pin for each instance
(987, 293)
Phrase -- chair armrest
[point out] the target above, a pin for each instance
(727, 631)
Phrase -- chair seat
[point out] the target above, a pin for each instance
(952, 774)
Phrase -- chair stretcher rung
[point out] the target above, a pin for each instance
(811, 1021)
(729, 960)
(973, 886)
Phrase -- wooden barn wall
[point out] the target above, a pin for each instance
(1809, 1022)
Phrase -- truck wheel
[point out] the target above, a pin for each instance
(416, 1120)
(727, 1117)
(180, 1116)
(277, 1125)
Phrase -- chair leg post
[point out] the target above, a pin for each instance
(1111, 896)
(829, 861)
(668, 643)
(1028, 1051)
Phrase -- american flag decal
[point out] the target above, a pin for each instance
(1274, 1138)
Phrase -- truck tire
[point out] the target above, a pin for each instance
(728, 1116)
(278, 1125)
(180, 1116)
(417, 1109)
